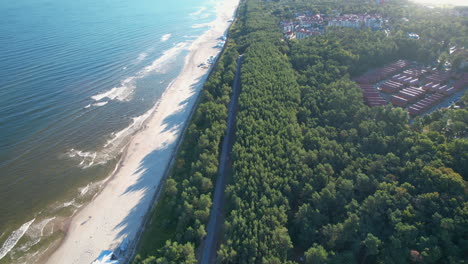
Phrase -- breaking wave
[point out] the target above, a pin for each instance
(168, 56)
(198, 12)
(97, 104)
(111, 149)
(14, 238)
(165, 37)
(35, 233)
(120, 93)
(84, 190)
(86, 158)
(70, 203)
(125, 91)
(113, 146)
(142, 56)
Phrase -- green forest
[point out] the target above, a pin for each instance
(318, 176)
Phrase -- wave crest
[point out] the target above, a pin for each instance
(97, 104)
(86, 158)
(14, 238)
(125, 91)
(168, 56)
(165, 37)
(120, 93)
(198, 12)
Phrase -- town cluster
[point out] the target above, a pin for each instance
(418, 89)
(307, 25)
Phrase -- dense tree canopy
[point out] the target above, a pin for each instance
(178, 223)
(319, 177)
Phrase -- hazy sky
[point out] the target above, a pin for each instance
(443, 2)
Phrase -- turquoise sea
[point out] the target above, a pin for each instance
(76, 79)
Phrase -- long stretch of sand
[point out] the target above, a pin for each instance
(119, 210)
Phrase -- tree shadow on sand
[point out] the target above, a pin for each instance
(154, 167)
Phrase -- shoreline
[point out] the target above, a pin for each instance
(119, 210)
(131, 252)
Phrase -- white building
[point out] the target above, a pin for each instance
(357, 21)
(287, 26)
(305, 33)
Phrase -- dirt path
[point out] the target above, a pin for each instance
(216, 220)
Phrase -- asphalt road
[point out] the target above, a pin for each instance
(215, 222)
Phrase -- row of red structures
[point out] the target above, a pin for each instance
(440, 92)
(383, 72)
(406, 96)
(436, 84)
(425, 104)
(405, 86)
(371, 95)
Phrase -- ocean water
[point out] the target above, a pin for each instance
(77, 78)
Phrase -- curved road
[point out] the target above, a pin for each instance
(215, 222)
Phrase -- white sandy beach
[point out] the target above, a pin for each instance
(119, 210)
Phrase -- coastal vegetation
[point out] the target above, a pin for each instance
(180, 216)
(319, 177)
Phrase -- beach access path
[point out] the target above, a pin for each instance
(119, 210)
(215, 223)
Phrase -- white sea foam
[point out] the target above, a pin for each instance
(113, 147)
(198, 12)
(14, 238)
(97, 104)
(125, 91)
(39, 228)
(84, 190)
(165, 37)
(167, 57)
(35, 234)
(101, 103)
(86, 158)
(120, 136)
(67, 204)
(120, 93)
(141, 57)
(118, 139)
